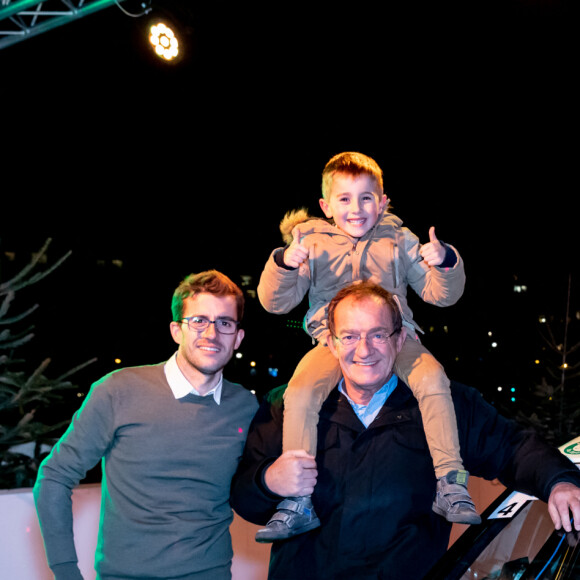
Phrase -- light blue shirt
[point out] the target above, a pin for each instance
(368, 413)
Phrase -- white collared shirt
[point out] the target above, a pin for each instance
(180, 386)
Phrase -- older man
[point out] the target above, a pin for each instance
(170, 436)
(372, 480)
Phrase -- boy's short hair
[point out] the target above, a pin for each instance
(359, 291)
(211, 282)
(353, 164)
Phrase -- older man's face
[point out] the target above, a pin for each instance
(366, 366)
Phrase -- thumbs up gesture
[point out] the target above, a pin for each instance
(296, 252)
(434, 252)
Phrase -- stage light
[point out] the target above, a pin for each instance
(164, 41)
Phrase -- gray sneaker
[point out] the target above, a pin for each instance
(295, 516)
(453, 501)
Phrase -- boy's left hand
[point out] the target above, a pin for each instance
(433, 253)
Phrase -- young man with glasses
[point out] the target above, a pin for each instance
(170, 436)
(372, 481)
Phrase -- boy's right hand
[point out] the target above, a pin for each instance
(295, 254)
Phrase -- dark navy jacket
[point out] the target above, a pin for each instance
(376, 486)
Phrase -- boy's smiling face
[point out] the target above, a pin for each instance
(354, 202)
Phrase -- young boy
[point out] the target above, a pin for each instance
(363, 242)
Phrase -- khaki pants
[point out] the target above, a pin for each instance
(318, 373)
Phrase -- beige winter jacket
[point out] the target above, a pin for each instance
(387, 255)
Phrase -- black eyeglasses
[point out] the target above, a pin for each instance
(375, 338)
(200, 323)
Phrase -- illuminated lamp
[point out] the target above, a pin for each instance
(164, 41)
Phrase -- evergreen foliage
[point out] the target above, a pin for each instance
(26, 429)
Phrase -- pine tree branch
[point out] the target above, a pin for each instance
(20, 281)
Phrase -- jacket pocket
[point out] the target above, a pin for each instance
(409, 434)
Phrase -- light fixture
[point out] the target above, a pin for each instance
(164, 41)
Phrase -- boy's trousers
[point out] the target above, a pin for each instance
(319, 372)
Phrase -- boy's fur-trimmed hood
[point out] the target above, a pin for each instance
(291, 220)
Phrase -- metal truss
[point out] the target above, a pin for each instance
(22, 19)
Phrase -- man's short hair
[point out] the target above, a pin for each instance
(359, 291)
(210, 282)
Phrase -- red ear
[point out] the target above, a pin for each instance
(325, 207)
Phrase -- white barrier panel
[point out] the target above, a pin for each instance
(22, 551)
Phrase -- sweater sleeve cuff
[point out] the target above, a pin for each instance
(279, 259)
(450, 259)
(67, 571)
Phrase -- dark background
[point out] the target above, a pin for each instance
(167, 170)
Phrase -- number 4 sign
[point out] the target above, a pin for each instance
(511, 505)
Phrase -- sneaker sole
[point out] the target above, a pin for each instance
(457, 519)
(265, 539)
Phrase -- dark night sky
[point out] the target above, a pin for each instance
(467, 107)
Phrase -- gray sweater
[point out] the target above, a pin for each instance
(167, 467)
